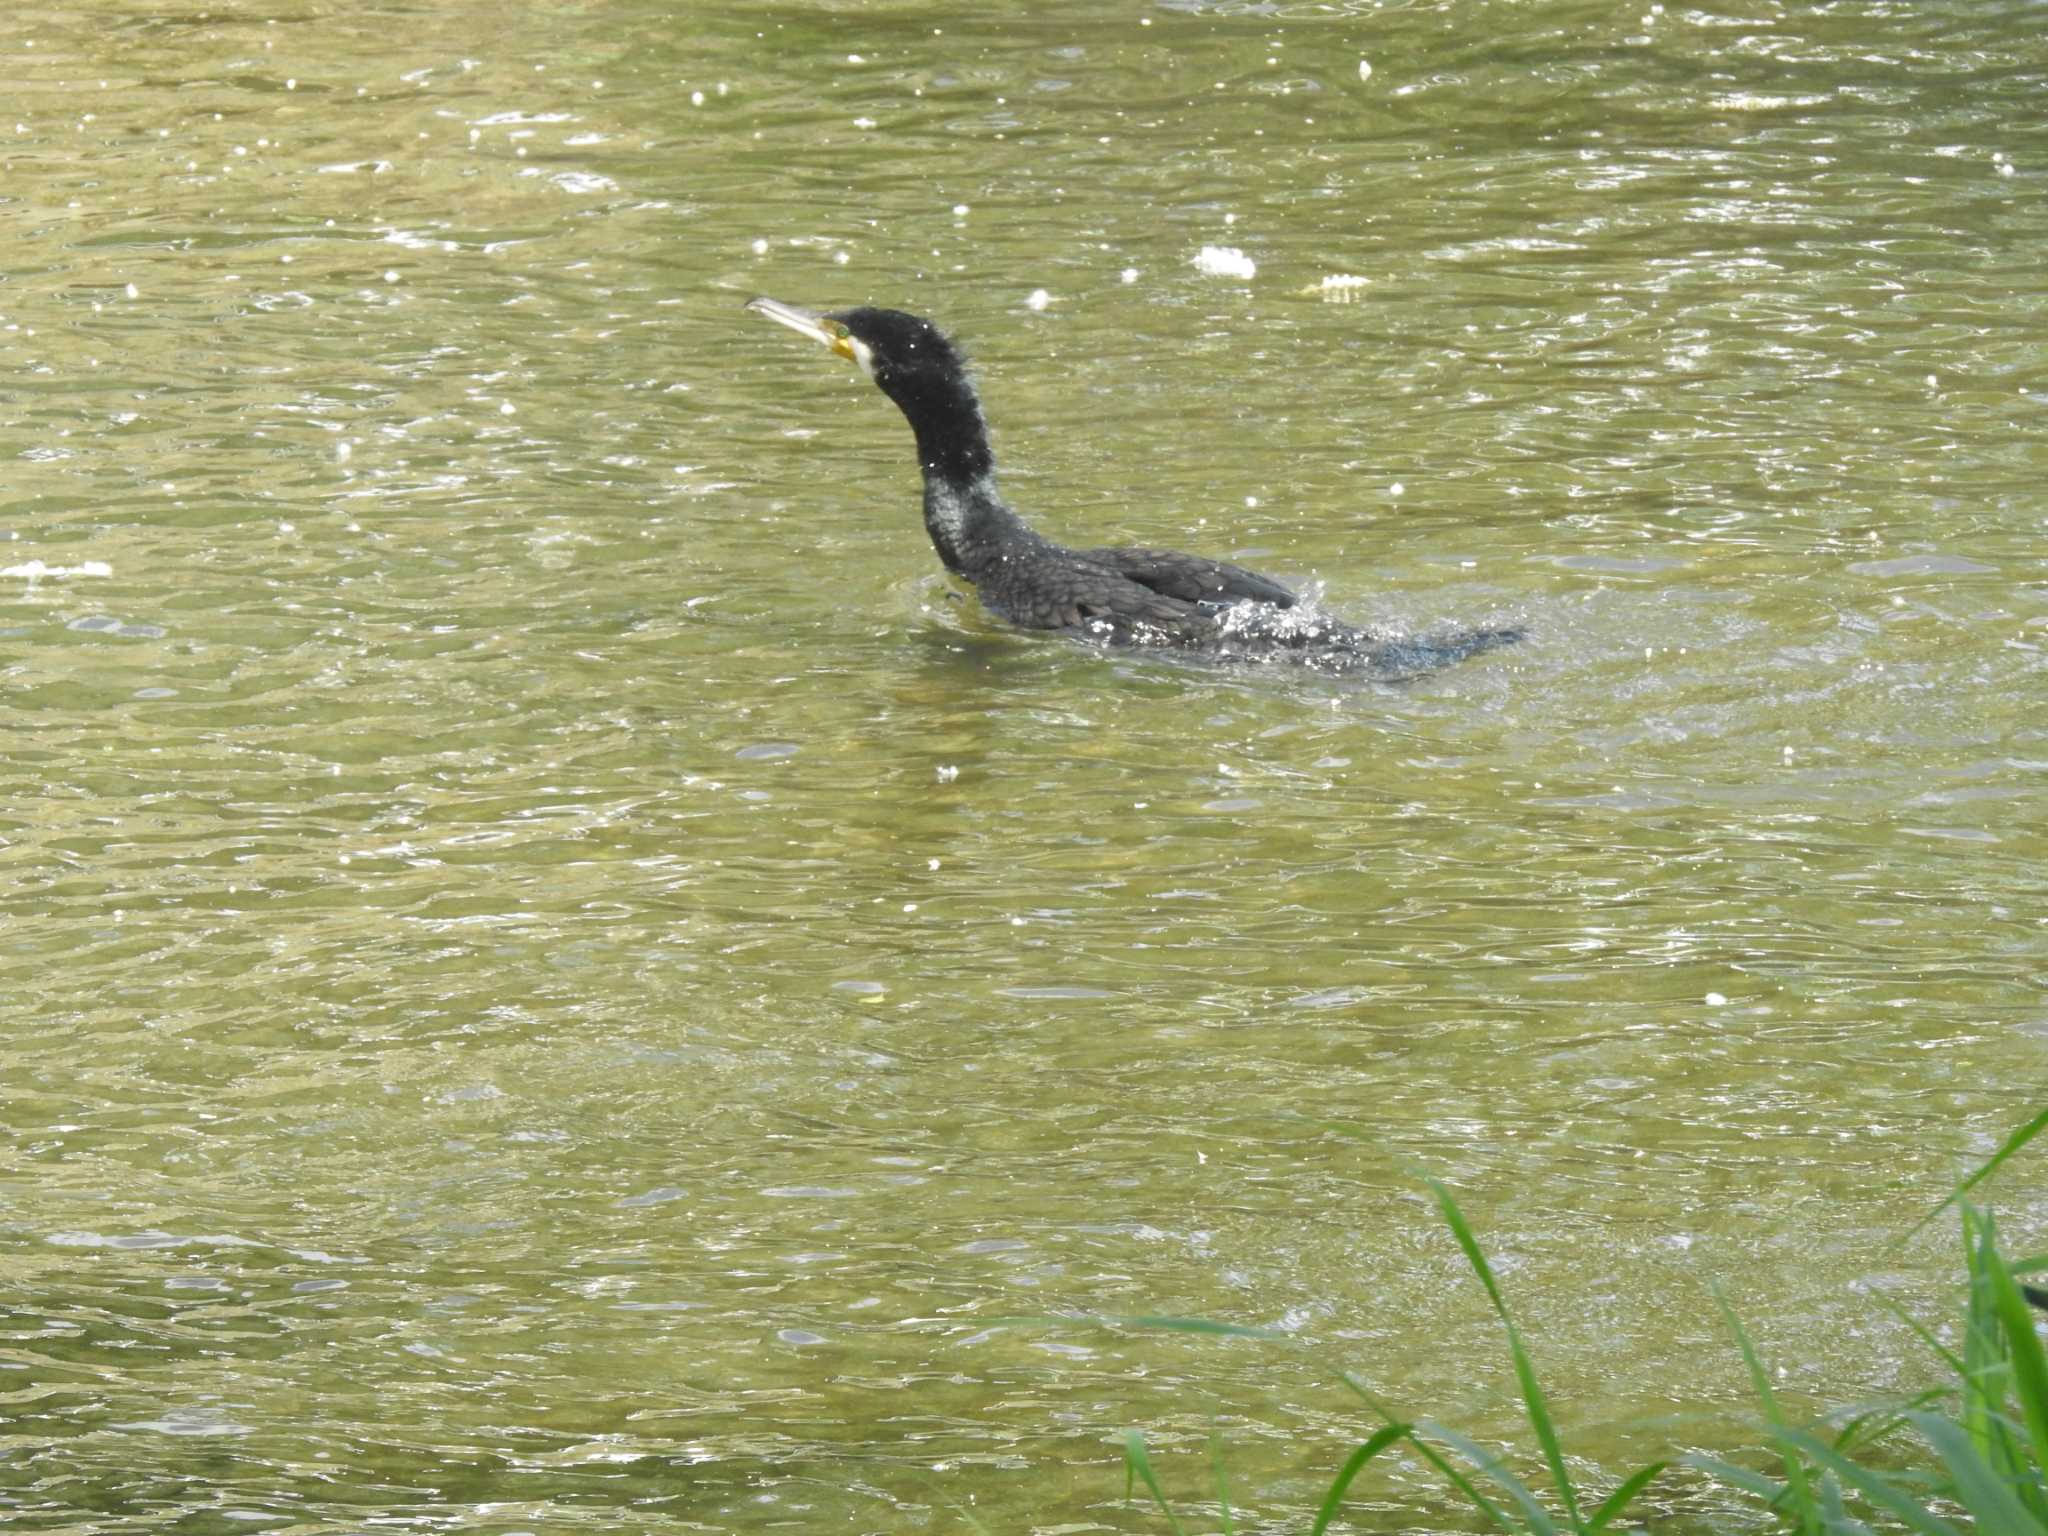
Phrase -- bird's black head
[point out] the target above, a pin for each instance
(914, 364)
(911, 360)
(906, 355)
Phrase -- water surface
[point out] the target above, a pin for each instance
(557, 977)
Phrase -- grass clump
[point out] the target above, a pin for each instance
(1492, 1487)
(1988, 1454)
(1968, 1457)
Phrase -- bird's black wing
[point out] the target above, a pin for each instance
(1042, 586)
(1191, 578)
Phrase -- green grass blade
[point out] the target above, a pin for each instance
(1911, 1511)
(1350, 1379)
(1868, 1423)
(1948, 1356)
(2029, 1366)
(1429, 1453)
(1799, 1496)
(2013, 1143)
(1986, 1495)
(1616, 1502)
(1222, 1481)
(1137, 1465)
(1381, 1438)
(2003, 1355)
(1525, 1370)
(1837, 1521)
(1448, 1470)
(1534, 1516)
(1984, 1357)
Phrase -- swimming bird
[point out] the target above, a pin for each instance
(1137, 596)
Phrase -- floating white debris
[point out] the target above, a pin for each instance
(1365, 69)
(1338, 288)
(1037, 299)
(1224, 261)
(1129, 274)
(947, 773)
(1716, 1000)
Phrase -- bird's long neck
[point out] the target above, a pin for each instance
(969, 522)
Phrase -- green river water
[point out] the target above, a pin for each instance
(556, 977)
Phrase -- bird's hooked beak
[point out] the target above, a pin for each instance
(806, 322)
(819, 327)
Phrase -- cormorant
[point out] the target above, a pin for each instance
(1119, 595)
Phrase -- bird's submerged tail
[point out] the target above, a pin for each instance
(1418, 654)
(1259, 632)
